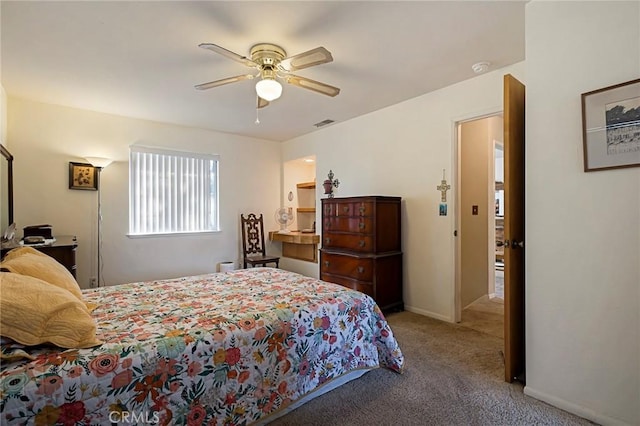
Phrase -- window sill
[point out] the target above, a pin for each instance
(173, 234)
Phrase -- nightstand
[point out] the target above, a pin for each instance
(63, 249)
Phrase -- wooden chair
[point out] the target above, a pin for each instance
(253, 248)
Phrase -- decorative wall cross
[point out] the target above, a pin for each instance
(443, 188)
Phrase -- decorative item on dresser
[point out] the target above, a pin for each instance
(62, 248)
(361, 247)
(329, 184)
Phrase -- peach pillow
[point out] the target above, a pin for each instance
(33, 312)
(31, 262)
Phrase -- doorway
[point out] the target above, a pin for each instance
(481, 209)
(514, 229)
(300, 245)
(497, 290)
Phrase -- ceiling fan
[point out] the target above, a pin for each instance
(272, 63)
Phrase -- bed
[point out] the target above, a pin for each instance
(227, 348)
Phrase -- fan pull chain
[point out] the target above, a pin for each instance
(257, 116)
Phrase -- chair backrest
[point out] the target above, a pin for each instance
(252, 234)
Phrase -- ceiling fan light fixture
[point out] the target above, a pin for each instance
(268, 89)
(274, 66)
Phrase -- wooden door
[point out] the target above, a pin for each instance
(514, 342)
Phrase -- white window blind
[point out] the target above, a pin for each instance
(171, 191)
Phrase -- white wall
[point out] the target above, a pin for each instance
(4, 205)
(401, 151)
(583, 229)
(44, 138)
(3, 116)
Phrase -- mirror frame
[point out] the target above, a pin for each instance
(7, 155)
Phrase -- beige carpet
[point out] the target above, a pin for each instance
(453, 376)
(485, 315)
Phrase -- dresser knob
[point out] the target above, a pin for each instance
(360, 269)
(345, 209)
(361, 225)
(361, 209)
(327, 224)
(326, 263)
(327, 240)
(361, 244)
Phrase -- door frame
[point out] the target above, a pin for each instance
(513, 111)
(457, 150)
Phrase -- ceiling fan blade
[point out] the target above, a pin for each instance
(307, 59)
(262, 103)
(316, 86)
(229, 54)
(211, 84)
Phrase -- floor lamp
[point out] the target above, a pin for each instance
(99, 163)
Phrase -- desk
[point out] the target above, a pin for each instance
(297, 245)
(63, 249)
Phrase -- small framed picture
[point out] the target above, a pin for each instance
(83, 176)
(611, 127)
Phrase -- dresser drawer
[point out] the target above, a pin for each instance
(354, 242)
(352, 267)
(348, 209)
(361, 286)
(348, 224)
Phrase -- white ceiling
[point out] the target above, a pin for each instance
(141, 59)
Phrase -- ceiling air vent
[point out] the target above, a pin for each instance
(324, 123)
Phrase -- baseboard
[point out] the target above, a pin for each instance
(576, 409)
(428, 313)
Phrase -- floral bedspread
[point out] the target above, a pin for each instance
(228, 348)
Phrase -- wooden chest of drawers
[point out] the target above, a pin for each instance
(361, 247)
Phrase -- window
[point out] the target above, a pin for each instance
(172, 192)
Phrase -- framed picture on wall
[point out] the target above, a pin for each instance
(83, 176)
(611, 127)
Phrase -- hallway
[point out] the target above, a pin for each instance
(487, 314)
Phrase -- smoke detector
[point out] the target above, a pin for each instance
(480, 67)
